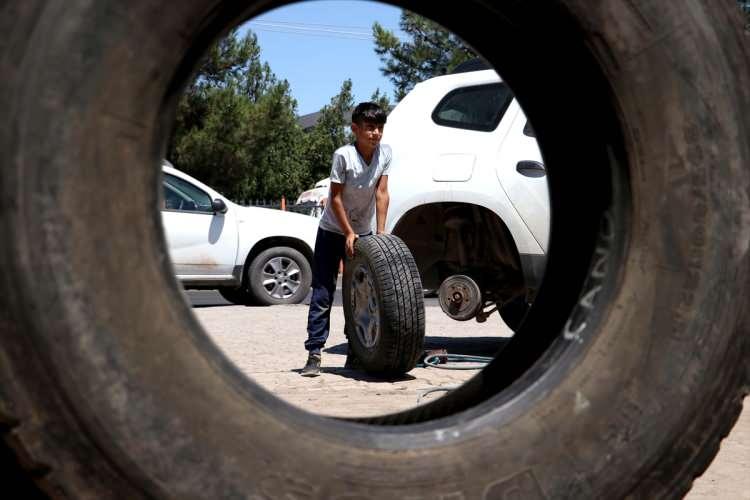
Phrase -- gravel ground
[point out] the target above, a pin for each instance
(272, 355)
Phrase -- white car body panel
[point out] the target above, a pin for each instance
(529, 195)
(201, 244)
(454, 167)
(434, 163)
(215, 246)
(256, 224)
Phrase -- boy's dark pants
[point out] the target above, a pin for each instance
(329, 250)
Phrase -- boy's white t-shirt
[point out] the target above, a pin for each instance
(359, 182)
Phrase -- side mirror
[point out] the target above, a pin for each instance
(218, 206)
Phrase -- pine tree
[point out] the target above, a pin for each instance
(330, 133)
(430, 51)
(236, 129)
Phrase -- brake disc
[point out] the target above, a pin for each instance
(460, 297)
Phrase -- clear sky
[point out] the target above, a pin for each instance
(316, 45)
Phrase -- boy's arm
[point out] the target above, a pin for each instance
(337, 205)
(382, 198)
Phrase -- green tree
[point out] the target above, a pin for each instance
(381, 100)
(236, 127)
(330, 133)
(280, 166)
(431, 50)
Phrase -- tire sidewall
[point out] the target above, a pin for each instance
(369, 355)
(398, 292)
(136, 384)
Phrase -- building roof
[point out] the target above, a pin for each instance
(309, 120)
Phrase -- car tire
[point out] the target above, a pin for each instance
(622, 381)
(279, 275)
(383, 306)
(514, 311)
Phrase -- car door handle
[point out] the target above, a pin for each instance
(531, 168)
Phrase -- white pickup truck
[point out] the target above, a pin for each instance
(251, 255)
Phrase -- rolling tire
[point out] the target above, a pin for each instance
(279, 275)
(383, 305)
(622, 381)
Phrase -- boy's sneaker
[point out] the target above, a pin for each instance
(312, 367)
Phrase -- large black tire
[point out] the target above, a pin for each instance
(279, 275)
(624, 377)
(383, 305)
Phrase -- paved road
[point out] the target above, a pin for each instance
(270, 352)
(266, 343)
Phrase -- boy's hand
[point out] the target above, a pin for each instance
(350, 239)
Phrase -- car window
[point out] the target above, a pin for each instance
(182, 195)
(474, 108)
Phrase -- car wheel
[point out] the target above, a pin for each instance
(627, 372)
(513, 312)
(279, 275)
(383, 305)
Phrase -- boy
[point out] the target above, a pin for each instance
(359, 190)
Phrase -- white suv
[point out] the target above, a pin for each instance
(468, 192)
(251, 255)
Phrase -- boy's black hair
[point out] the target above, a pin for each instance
(368, 112)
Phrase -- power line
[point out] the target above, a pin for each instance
(336, 26)
(314, 29)
(302, 28)
(318, 34)
(305, 27)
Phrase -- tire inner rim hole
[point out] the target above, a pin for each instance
(281, 277)
(365, 307)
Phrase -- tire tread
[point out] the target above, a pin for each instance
(399, 288)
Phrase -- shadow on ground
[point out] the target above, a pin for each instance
(470, 346)
(359, 375)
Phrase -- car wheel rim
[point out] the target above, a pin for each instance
(365, 308)
(281, 277)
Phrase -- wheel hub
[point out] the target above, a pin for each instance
(460, 297)
(365, 308)
(281, 277)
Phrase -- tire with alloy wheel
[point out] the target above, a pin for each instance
(627, 372)
(383, 305)
(279, 275)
